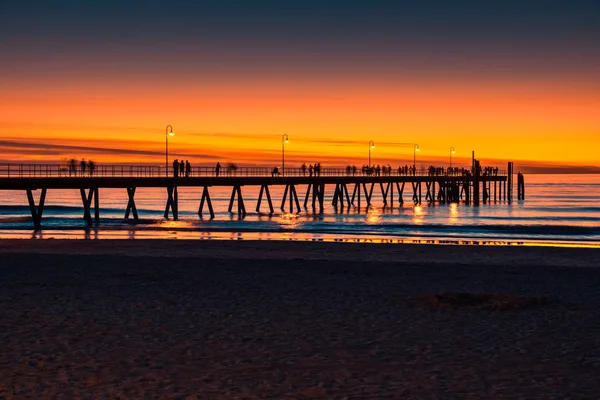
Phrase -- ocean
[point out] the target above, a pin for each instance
(559, 210)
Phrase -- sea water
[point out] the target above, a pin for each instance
(558, 210)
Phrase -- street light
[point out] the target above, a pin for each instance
(284, 140)
(371, 146)
(168, 132)
(451, 152)
(416, 148)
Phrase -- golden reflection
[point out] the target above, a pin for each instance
(176, 224)
(418, 214)
(373, 215)
(290, 220)
(295, 236)
(453, 213)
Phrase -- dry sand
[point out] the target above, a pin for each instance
(227, 320)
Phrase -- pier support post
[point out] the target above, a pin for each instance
(318, 194)
(172, 202)
(290, 190)
(96, 204)
(415, 187)
(341, 191)
(495, 191)
(442, 192)
(428, 193)
(336, 195)
(321, 196)
(356, 195)
(265, 189)
(294, 197)
(388, 191)
(308, 190)
(510, 181)
(345, 193)
(87, 198)
(284, 198)
(485, 190)
(237, 192)
(400, 192)
(206, 198)
(476, 175)
(131, 204)
(384, 193)
(368, 194)
(315, 195)
(36, 211)
(520, 187)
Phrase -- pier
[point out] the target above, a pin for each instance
(350, 189)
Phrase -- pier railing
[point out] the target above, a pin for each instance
(155, 171)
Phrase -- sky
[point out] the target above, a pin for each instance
(100, 79)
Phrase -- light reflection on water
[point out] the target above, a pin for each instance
(453, 214)
(418, 215)
(103, 234)
(559, 208)
(373, 215)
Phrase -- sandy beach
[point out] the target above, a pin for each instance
(296, 320)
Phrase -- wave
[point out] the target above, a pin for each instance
(315, 227)
(65, 210)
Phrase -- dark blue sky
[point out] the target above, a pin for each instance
(531, 19)
(526, 37)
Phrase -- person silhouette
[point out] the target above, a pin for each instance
(175, 168)
(72, 167)
(91, 167)
(218, 169)
(188, 168)
(82, 165)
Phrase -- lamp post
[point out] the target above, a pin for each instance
(415, 149)
(168, 132)
(371, 146)
(284, 140)
(451, 152)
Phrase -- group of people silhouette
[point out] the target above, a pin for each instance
(491, 171)
(85, 167)
(437, 171)
(181, 168)
(312, 169)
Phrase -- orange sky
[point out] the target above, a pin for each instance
(327, 122)
(512, 80)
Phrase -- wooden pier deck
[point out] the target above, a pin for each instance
(301, 192)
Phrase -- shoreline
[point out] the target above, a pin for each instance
(251, 235)
(314, 250)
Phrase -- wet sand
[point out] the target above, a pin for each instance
(227, 320)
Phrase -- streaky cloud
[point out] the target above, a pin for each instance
(45, 148)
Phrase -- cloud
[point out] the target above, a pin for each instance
(360, 143)
(55, 149)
